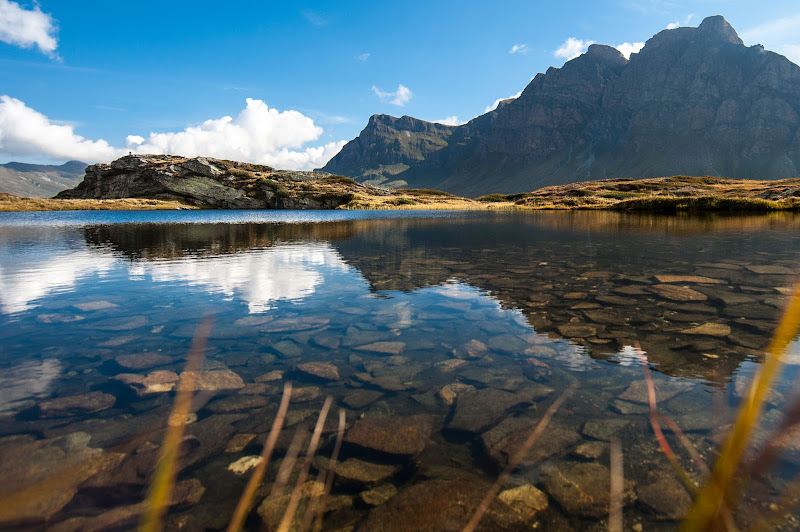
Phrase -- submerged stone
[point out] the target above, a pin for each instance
(405, 436)
(322, 370)
(87, 403)
(379, 495)
(386, 348)
(528, 501)
(142, 360)
(583, 488)
(215, 380)
(677, 293)
(709, 329)
(666, 497)
(361, 398)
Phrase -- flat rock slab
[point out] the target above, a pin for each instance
(385, 348)
(770, 269)
(41, 476)
(304, 394)
(359, 472)
(294, 324)
(379, 495)
(86, 403)
(120, 324)
(605, 429)
(667, 498)
(582, 488)
(237, 403)
(142, 360)
(504, 440)
(212, 381)
(155, 382)
(477, 411)
(361, 398)
(709, 329)
(637, 391)
(577, 330)
(405, 436)
(441, 505)
(606, 316)
(677, 293)
(95, 305)
(688, 279)
(322, 370)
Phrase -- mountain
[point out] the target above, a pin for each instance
(693, 101)
(387, 147)
(39, 180)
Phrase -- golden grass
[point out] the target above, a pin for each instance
(10, 203)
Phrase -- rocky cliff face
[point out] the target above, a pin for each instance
(214, 183)
(389, 146)
(694, 101)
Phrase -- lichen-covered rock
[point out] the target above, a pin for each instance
(583, 488)
(404, 436)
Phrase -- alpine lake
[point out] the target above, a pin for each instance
(444, 337)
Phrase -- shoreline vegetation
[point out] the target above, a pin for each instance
(665, 195)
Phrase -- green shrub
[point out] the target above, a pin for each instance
(493, 198)
(403, 201)
(617, 195)
(579, 193)
(340, 179)
(423, 192)
(239, 172)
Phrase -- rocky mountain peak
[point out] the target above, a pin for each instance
(602, 52)
(719, 27)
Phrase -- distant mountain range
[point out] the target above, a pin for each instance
(693, 101)
(40, 180)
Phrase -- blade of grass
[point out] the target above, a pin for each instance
(616, 489)
(246, 500)
(516, 459)
(164, 480)
(711, 498)
(294, 500)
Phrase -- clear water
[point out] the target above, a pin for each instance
(504, 311)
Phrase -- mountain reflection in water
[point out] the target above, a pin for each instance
(460, 328)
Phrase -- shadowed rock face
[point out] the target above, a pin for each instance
(694, 101)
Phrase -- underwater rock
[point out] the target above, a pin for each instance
(213, 381)
(386, 348)
(142, 360)
(677, 293)
(581, 488)
(361, 398)
(405, 436)
(379, 495)
(86, 403)
(322, 370)
(526, 500)
(667, 498)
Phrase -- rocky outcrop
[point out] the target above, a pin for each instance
(693, 101)
(213, 183)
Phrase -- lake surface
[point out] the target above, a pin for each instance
(443, 336)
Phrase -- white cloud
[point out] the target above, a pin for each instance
(572, 48)
(519, 49)
(781, 35)
(27, 29)
(678, 23)
(492, 107)
(400, 97)
(257, 134)
(628, 48)
(26, 132)
(363, 57)
(449, 121)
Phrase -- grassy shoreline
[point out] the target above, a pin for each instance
(667, 195)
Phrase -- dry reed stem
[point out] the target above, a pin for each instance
(516, 459)
(164, 480)
(688, 445)
(718, 490)
(288, 516)
(662, 441)
(246, 500)
(616, 488)
(332, 469)
(285, 471)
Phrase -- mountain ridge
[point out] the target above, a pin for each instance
(40, 180)
(693, 101)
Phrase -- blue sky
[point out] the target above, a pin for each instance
(90, 80)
